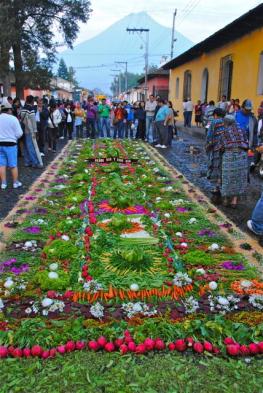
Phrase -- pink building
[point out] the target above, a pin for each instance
(158, 84)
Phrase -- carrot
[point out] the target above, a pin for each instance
(110, 293)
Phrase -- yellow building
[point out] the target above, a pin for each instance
(230, 63)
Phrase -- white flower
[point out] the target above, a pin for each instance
(190, 305)
(45, 313)
(222, 300)
(212, 285)
(256, 301)
(158, 199)
(155, 170)
(169, 188)
(134, 287)
(92, 286)
(246, 284)
(214, 247)
(179, 234)
(181, 279)
(167, 215)
(53, 266)
(65, 237)
(97, 310)
(223, 304)
(9, 283)
(132, 309)
(46, 302)
(185, 245)
(192, 220)
(200, 271)
(80, 278)
(53, 275)
(28, 310)
(28, 244)
(40, 221)
(1, 304)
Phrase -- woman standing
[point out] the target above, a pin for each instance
(140, 115)
(233, 145)
(79, 116)
(198, 114)
(215, 130)
(69, 121)
(54, 119)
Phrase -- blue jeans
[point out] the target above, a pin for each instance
(150, 130)
(257, 217)
(91, 130)
(105, 123)
(30, 157)
(118, 130)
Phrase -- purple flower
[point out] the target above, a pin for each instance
(19, 270)
(182, 209)
(40, 210)
(232, 265)
(206, 232)
(23, 211)
(30, 198)
(7, 266)
(226, 225)
(38, 189)
(33, 230)
(11, 224)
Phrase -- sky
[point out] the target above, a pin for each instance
(196, 19)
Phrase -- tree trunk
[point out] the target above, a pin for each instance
(18, 65)
(4, 70)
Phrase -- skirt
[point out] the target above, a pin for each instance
(214, 165)
(234, 173)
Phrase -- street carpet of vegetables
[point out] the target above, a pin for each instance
(116, 257)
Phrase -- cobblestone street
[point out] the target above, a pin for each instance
(189, 157)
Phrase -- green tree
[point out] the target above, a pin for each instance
(34, 28)
(72, 76)
(63, 71)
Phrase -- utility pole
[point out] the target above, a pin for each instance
(146, 42)
(173, 33)
(126, 72)
(119, 76)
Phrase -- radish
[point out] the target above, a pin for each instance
(140, 348)
(109, 347)
(3, 352)
(260, 347)
(244, 350)
(61, 349)
(149, 344)
(102, 341)
(53, 352)
(180, 345)
(118, 342)
(198, 347)
(232, 349)
(190, 341)
(17, 353)
(253, 348)
(171, 347)
(229, 341)
(36, 350)
(80, 345)
(45, 354)
(132, 346)
(93, 345)
(159, 344)
(123, 349)
(70, 346)
(208, 346)
(26, 352)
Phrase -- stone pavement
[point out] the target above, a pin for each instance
(9, 197)
(188, 155)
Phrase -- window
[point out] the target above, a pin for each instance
(225, 77)
(187, 84)
(260, 74)
(204, 87)
(177, 88)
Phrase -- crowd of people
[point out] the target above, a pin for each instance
(232, 132)
(31, 129)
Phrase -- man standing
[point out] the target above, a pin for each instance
(42, 122)
(104, 113)
(91, 118)
(161, 120)
(150, 110)
(10, 132)
(223, 104)
(32, 155)
(188, 112)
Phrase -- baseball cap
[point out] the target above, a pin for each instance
(248, 104)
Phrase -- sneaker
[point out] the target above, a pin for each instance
(42, 154)
(158, 145)
(250, 227)
(54, 151)
(17, 184)
(62, 137)
(3, 186)
(163, 147)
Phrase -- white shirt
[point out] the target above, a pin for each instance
(10, 129)
(189, 106)
(56, 117)
(69, 118)
(150, 108)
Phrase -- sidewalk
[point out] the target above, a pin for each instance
(198, 132)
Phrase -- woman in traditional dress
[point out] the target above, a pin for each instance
(233, 145)
(215, 130)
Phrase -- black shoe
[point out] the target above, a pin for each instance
(216, 197)
(252, 168)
